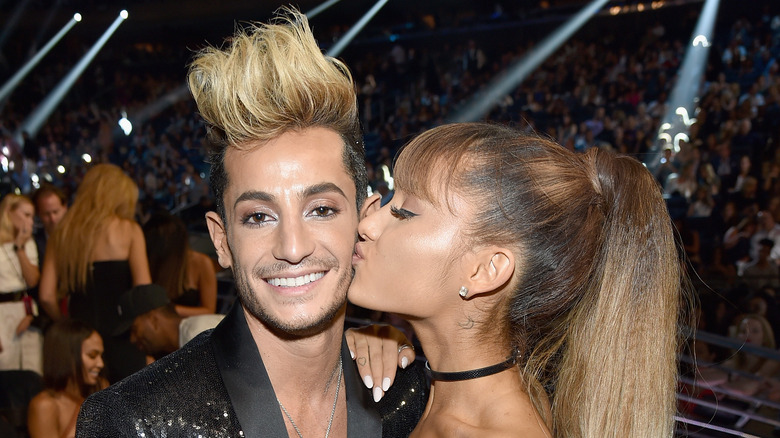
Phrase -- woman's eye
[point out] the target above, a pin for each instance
(402, 213)
(323, 211)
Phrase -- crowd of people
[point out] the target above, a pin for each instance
(599, 91)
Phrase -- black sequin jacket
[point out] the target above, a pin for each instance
(217, 386)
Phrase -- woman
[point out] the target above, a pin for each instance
(544, 285)
(96, 253)
(188, 276)
(72, 370)
(20, 344)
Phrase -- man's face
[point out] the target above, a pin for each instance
(50, 210)
(290, 230)
(145, 334)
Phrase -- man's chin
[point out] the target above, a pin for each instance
(297, 327)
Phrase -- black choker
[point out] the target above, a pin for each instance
(470, 374)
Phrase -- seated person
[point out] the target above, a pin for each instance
(72, 370)
(155, 326)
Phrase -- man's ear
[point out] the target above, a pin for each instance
(371, 205)
(492, 268)
(219, 239)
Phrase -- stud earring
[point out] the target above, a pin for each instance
(463, 292)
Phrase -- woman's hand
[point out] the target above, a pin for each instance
(378, 350)
(24, 324)
(22, 235)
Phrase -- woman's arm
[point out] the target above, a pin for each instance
(206, 284)
(30, 271)
(139, 264)
(47, 290)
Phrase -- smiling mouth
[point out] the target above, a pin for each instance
(295, 281)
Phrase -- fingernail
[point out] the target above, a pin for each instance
(385, 384)
(377, 394)
(404, 362)
(368, 381)
(352, 354)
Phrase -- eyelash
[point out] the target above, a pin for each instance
(329, 211)
(401, 213)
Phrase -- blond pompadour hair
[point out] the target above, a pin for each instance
(273, 78)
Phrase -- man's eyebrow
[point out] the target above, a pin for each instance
(322, 188)
(254, 195)
(317, 189)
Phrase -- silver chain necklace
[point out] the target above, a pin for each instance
(332, 411)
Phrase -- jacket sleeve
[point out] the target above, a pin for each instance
(105, 414)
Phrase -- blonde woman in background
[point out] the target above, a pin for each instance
(96, 253)
(544, 285)
(20, 344)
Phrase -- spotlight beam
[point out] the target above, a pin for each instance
(314, 12)
(12, 83)
(483, 102)
(350, 35)
(13, 21)
(39, 116)
(681, 106)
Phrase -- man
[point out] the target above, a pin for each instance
(288, 176)
(155, 327)
(50, 207)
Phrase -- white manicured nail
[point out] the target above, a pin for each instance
(352, 354)
(369, 382)
(377, 394)
(385, 384)
(404, 362)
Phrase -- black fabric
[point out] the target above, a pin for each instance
(190, 297)
(216, 386)
(97, 306)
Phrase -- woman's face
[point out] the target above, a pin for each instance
(22, 216)
(92, 358)
(751, 332)
(409, 260)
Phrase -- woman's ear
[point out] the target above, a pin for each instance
(493, 267)
(371, 205)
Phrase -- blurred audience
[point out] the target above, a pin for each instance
(98, 252)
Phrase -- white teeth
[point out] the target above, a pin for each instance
(295, 281)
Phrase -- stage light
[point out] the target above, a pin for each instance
(314, 12)
(32, 124)
(123, 14)
(77, 17)
(125, 124)
(61, 169)
(87, 158)
(12, 83)
(483, 102)
(700, 40)
(357, 27)
(684, 96)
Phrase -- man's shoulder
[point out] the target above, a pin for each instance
(179, 393)
(403, 404)
(185, 367)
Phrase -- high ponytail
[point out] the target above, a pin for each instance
(594, 306)
(616, 377)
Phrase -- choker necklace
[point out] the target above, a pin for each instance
(470, 374)
(332, 411)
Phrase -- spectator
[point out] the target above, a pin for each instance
(188, 276)
(20, 344)
(98, 252)
(72, 370)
